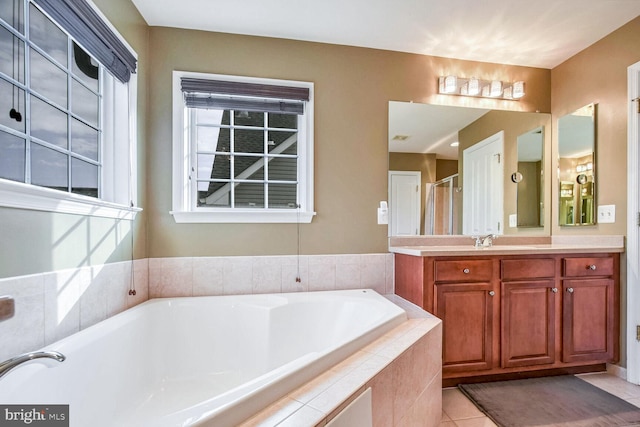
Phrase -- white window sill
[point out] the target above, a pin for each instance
(24, 196)
(242, 216)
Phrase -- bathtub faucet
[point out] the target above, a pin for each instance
(8, 365)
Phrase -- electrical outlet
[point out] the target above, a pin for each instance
(606, 214)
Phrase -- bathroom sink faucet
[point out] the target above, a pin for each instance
(484, 241)
(8, 365)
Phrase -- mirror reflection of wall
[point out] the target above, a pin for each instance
(576, 167)
(530, 190)
(423, 131)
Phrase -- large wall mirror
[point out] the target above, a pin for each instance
(576, 167)
(427, 146)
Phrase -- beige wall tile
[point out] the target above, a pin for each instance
(208, 276)
(25, 330)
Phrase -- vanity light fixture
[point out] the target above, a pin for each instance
(454, 144)
(585, 167)
(453, 85)
(474, 86)
(518, 90)
(495, 89)
(448, 84)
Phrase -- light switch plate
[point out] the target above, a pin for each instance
(606, 214)
(383, 216)
(513, 220)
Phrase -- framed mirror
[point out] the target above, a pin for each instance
(529, 178)
(576, 167)
(431, 139)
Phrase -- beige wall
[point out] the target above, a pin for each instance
(513, 124)
(423, 163)
(445, 168)
(598, 75)
(529, 194)
(352, 90)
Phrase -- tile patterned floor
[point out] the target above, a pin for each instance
(458, 411)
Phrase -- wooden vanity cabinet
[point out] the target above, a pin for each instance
(590, 309)
(529, 303)
(514, 315)
(465, 300)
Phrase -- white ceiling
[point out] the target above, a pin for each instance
(430, 128)
(540, 33)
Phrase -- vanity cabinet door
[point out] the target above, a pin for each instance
(589, 320)
(468, 313)
(528, 323)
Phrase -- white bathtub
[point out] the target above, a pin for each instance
(204, 361)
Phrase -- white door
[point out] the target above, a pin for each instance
(633, 227)
(404, 203)
(483, 186)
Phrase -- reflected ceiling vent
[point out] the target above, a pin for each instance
(400, 138)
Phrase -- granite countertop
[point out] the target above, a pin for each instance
(505, 245)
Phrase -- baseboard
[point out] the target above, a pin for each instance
(616, 370)
(569, 370)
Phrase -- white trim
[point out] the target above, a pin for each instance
(633, 231)
(24, 196)
(616, 370)
(483, 209)
(238, 216)
(184, 212)
(392, 199)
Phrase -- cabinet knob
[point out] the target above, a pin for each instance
(491, 293)
(466, 271)
(570, 290)
(591, 267)
(554, 290)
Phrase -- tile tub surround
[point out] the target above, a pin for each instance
(210, 276)
(403, 369)
(51, 306)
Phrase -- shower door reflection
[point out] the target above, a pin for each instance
(443, 209)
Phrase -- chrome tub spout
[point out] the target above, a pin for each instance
(8, 365)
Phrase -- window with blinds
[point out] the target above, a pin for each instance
(65, 103)
(247, 145)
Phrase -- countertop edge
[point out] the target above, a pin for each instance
(503, 250)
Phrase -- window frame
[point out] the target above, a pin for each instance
(117, 197)
(184, 191)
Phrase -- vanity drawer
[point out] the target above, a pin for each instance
(464, 270)
(581, 267)
(515, 269)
